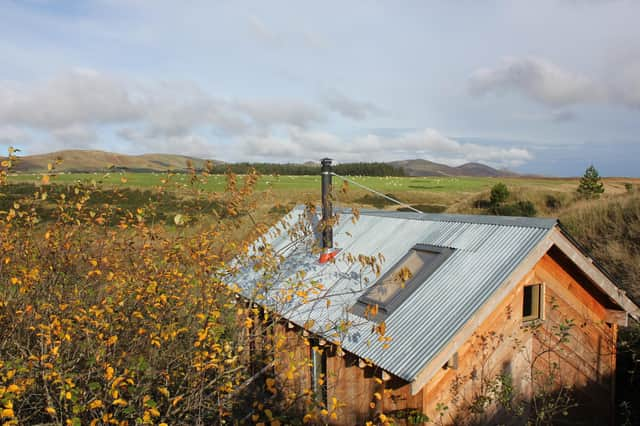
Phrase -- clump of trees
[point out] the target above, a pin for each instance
(497, 203)
(590, 185)
(348, 169)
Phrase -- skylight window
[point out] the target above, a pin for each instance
(400, 281)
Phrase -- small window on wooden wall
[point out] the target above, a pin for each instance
(532, 302)
(318, 371)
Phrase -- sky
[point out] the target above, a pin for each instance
(546, 87)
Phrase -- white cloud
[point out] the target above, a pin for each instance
(538, 79)
(13, 136)
(82, 108)
(76, 134)
(302, 145)
(627, 85)
(549, 84)
(266, 113)
(80, 96)
(347, 107)
(185, 144)
(74, 109)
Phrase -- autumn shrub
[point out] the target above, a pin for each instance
(107, 317)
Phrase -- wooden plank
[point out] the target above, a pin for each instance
(568, 287)
(617, 317)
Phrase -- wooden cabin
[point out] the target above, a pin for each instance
(437, 317)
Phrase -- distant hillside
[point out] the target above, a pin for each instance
(90, 161)
(420, 167)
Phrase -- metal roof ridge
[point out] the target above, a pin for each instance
(527, 222)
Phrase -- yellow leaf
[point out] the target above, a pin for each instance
(154, 412)
(108, 374)
(248, 322)
(50, 410)
(372, 404)
(7, 412)
(96, 404)
(378, 396)
(164, 391)
(123, 179)
(13, 388)
(68, 395)
(45, 180)
(120, 402)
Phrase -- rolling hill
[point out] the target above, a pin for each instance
(419, 167)
(90, 161)
(93, 160)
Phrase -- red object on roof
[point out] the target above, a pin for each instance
(327, 256)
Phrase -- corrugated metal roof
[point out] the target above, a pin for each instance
(487, 250)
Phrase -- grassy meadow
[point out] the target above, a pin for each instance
(429, 194)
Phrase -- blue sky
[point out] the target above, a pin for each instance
(539, 87)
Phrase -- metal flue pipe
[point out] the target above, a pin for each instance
(327, 205)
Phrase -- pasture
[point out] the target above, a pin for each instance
(432, 194)
(303, 183)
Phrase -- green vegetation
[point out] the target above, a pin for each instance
(590, 184)
(350, 169)
(499, 194)
(455, 185)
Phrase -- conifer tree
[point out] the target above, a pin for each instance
(591, 185)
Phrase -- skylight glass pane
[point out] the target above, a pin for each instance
(400, 276)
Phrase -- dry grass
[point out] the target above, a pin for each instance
(609, 228)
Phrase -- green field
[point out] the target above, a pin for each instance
(303, 183)
(428, 194)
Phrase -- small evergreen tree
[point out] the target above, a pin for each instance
(499, 194)
(591, 185)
